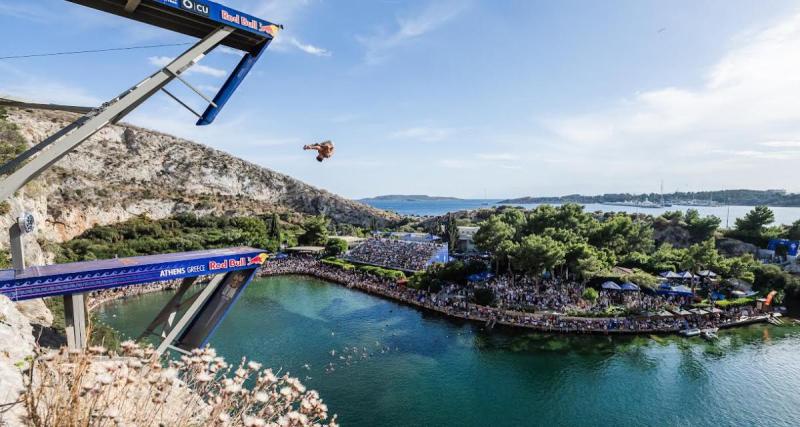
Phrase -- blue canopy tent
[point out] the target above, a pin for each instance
(480, 277)
(610, 286)
(682, 290)
(630, 286)
(670, 275)
(707, 273)
(685, 275)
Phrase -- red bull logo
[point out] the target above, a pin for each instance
(258, 259)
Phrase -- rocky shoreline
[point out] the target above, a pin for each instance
(490, 317)
(485, 315)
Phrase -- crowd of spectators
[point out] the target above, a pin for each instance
(554, 295)
(544, 309)
(100, 297)
(393, 253)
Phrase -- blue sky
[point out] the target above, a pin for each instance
(465, 98)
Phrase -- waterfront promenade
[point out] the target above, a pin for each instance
(490, 316)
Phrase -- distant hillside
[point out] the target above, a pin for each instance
(723, 197)
(124, 171)
(409, 197)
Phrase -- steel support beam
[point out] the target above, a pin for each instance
(76, 321)
(190, 313)
(110, 112)
(131, 5)
(17, 247)
(166, 316)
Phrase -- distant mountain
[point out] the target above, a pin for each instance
(700, 198)
(408, 198)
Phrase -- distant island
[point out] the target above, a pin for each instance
(409, 198)
(700, 198)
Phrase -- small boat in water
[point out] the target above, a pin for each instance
(774, 321)
(709, 334)
(693, 332)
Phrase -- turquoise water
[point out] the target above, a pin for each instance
(728, 214)
(439, 372)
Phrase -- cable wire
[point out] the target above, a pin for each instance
(78, 52)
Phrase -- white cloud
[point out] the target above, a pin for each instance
(781, 144)
(454, 164)
(229, 51)
(309, 49)
(748, 97)
(424, 134)
(163, 61)
(497, 156)
(209, 89)
(30, 11)
(31, 87)
(433, 16)
(277, 11)
(284, 12)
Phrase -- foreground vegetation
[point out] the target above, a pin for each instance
(100, 388)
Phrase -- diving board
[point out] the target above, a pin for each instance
(88, 276)
(196, 18)
(216, 25)
(186, 321)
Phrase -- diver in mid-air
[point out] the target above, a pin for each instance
(324, 150)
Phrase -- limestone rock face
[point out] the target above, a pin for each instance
(36, 312)
(733, 247)
(124, 171)
(675, 235)
(16, 343)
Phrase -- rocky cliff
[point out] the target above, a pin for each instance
(123, 171)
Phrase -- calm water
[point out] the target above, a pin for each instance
(439, 207)
(438, 372)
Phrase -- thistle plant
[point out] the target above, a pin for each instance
(135, 387)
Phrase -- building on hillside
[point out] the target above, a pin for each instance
(352, 241)
(306, 250)
(465, 244)
(414, 237)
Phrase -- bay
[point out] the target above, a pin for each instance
(424, 370)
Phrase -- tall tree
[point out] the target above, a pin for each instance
(755, 220)
(274, 230)
(451, 232)
(491, 234)
(793, 232)
(316, 231)
(701, 228)
(536, 254)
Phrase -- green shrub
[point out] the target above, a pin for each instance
(738, 302)
(590, 294)
(5, 259)
(335, 247)
(184, 232)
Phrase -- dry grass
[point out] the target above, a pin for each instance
(102, 388)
